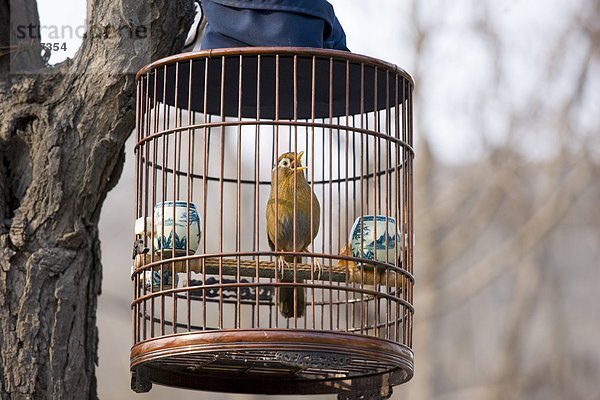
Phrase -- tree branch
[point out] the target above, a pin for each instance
(506, 255)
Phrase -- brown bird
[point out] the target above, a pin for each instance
(280, 224)
(367, 274)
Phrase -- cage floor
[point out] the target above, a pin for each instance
(270, 361)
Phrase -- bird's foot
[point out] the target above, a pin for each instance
(281, 265)
(318, 268)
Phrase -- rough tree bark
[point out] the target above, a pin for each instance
(62, 131)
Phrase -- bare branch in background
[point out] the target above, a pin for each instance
(487, 229)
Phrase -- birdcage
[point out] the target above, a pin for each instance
(207, 278)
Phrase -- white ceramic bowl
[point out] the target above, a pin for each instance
(172, 233)
(152, 279)
(381, 248)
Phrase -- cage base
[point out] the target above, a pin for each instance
(273, 361)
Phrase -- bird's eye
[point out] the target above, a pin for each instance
(284, 163)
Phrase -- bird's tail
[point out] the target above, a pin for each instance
(286, 300)
(290, 297)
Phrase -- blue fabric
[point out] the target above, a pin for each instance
(294, 23)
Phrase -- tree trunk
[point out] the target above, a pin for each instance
(62, 131)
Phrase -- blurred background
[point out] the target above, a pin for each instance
(507, 203)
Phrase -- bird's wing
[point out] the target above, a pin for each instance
(281, 226)
(270, 224)
(316, 216)
(271, 244)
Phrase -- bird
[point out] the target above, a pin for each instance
(286, 176)
(367, 274)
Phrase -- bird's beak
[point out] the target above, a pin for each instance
(298, 160)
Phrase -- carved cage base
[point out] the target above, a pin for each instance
(278, 361)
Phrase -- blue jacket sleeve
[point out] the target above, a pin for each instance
(295, 23)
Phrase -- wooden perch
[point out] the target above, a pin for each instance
(247, 268)
(266, 269)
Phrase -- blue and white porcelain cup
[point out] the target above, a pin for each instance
(153, 281)
(381, 248)
(176, 227)
(172, 233)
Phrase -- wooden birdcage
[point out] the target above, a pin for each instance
(210, 126)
